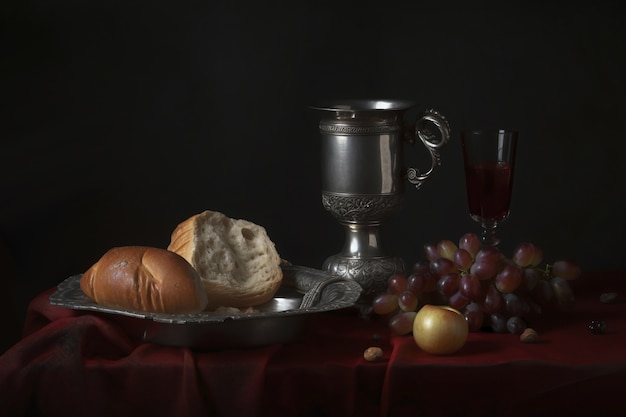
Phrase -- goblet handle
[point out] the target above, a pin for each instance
(432, 142)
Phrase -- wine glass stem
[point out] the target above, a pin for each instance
(489, 235)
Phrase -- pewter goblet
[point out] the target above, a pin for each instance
(363, 176)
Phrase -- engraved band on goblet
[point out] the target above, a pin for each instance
(348, 129)
(361, 208)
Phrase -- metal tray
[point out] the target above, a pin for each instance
(304, 291)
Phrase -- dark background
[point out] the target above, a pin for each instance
(123, 118)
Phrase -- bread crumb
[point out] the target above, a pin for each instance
(529, 336)
(373, 354)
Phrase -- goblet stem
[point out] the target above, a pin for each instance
(489, 236)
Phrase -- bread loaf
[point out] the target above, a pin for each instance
(238, 263)
(145, 279)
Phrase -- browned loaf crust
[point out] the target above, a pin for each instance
(145, 279)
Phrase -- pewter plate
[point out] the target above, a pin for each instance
(304, 291)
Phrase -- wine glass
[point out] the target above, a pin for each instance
(489, 158)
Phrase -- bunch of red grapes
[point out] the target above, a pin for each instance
(492, 291)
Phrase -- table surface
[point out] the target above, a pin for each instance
(80, 363)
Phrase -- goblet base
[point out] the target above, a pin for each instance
(372, 274)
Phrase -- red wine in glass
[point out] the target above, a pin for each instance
(489, 190)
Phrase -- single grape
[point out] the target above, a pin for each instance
(537, 256)
(471, 243)
(523, 254)
(562, 292)
(448, 284)
(497, 321)
(463, 259)
(542, 294)
(397, 283)
(402, 323)
(530, 277)
(416, 282)
(431, 251)
(566, 269)
(483, 269)
(515, 305)
(469, 287)
(493, 300)
(474, 315)
(385, 303)
(458, 301)
(408, 301)
(447, 248)
(443, 266)
(421, 266)
(515, 325)
(509, 278)
(489, 254)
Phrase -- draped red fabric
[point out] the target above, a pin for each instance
(72, 363)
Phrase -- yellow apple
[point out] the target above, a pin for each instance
(440, 330)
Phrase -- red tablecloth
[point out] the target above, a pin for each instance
(80, 364)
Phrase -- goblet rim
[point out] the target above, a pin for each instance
(357, 104)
